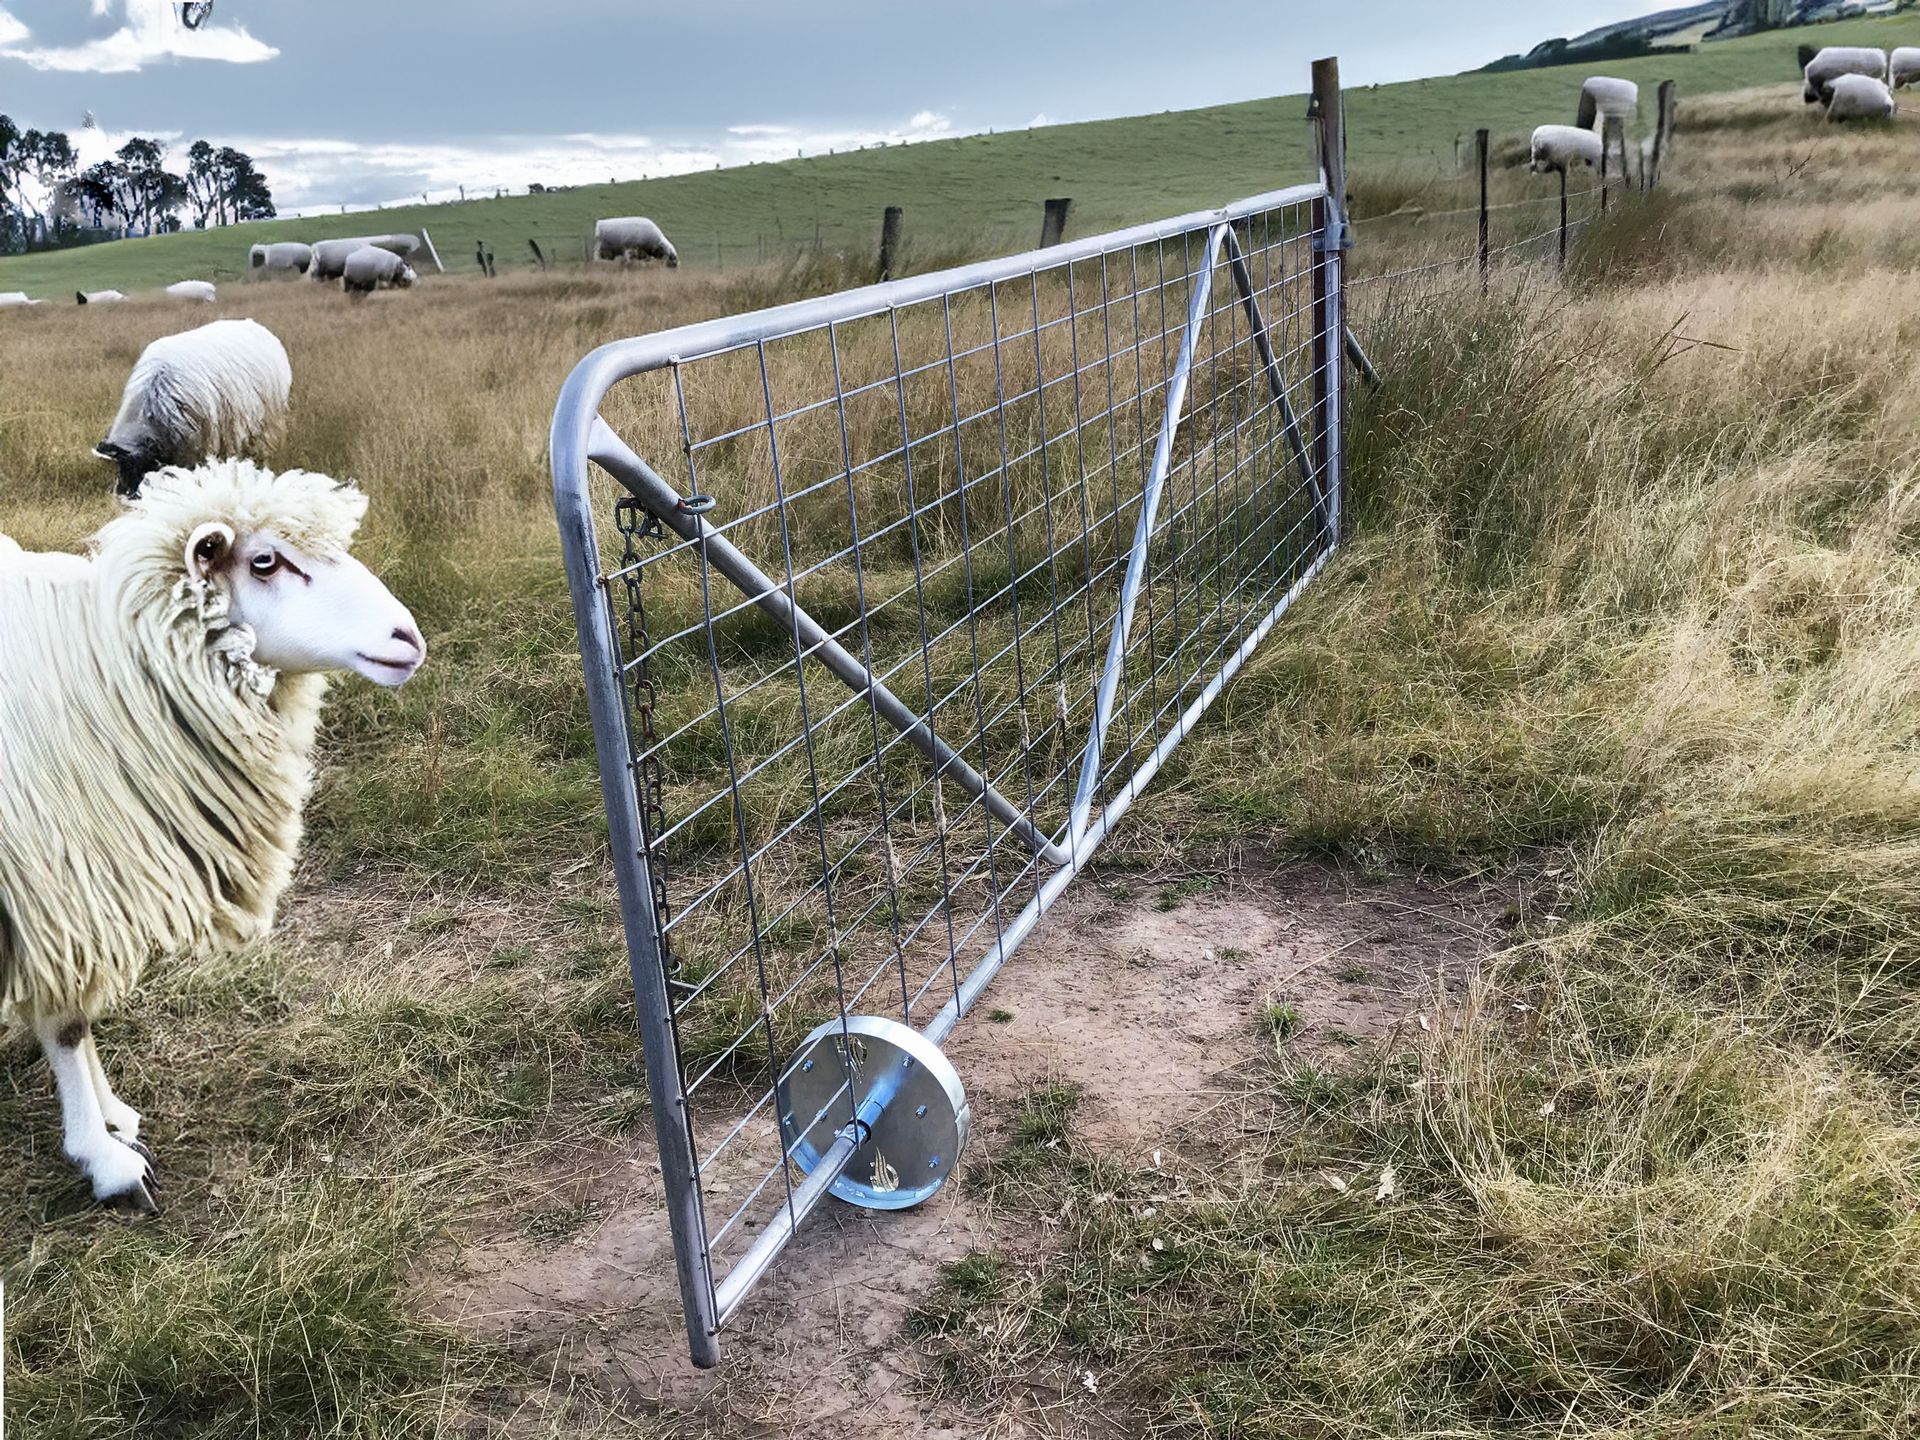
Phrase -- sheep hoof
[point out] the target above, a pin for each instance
(125, 1179)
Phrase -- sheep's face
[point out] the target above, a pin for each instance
(309, 614)
(405, 277)
(135, 461)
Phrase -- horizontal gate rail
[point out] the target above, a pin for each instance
(1031, 516)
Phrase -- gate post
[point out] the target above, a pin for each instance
(1330, 287)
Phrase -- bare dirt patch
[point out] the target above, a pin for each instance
(1155, 1007)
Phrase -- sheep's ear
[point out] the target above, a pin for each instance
(208, 548)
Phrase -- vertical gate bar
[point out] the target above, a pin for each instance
(606, 704)
(1137, 559)
(1330, 292)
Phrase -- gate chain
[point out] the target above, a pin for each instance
(635, 524)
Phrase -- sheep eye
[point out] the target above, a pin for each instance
(209, 548)
(265, 564)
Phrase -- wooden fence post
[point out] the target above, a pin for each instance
(1613, 135)
(890, 240)
(1053, 225)
(534, 245)
(1483, 140)
(1329, 287)
(1662, 130)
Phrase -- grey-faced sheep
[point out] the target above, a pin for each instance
(1560, 147)
(201, 291)
(1837, 60)
(1903, 66)
(632, 237)
(368, 269)
(98, 297)
(330, 256)
(1603, 98)
(286, 258)
(1860, 97)
(156, 768)
(219, 390)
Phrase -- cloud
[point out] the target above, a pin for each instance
(151, 32)
(314, 174)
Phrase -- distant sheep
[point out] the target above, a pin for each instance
(159, 760)
(288, 257)
(201, 291)
(98, 297)
(633, 237)
(369, 269)
(1837, 60)
(1860, 97)
(1904, 66)
(1603, 98)
(1560, 147)
(220, 390)
(13, 299)
(330, 256)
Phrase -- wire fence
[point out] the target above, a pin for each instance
(984, 547)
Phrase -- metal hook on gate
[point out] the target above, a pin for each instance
(696, 504)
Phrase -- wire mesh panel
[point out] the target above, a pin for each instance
(917, 587)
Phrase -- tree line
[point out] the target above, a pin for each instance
(46, 198)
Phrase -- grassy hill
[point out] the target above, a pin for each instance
(986, 187)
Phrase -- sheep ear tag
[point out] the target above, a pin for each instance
(208, 548)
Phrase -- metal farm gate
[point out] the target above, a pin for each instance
(919, 586)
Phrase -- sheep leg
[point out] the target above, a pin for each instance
(119, 1173)
(122, 1119)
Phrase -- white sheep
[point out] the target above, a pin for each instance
(98, 297)
(14, 299)
(197, 290)
(158, 763)
(1837, 60)
(632, 237)
(1603, 98)
(369, 269)
(1860, 97)
(219, 390)
(330, 256)
(287, 257)
(1559, 147)
(1903, 66)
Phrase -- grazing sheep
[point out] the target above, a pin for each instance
(158, 763)
(13, 299)
(98, 297)
(368, 269)
(633, 237)
(1558, 147)
(200, 290)
(330, 256)
(1904, 66)
(1603, 98)
(1837, 60)
(288, 257)
(1860, 97)
(218, 390)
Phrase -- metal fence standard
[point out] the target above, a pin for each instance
(918, 587)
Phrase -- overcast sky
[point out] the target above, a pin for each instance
(365, 100)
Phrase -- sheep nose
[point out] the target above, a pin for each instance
(410, 637)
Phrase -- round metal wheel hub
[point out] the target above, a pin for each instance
(902, 1094)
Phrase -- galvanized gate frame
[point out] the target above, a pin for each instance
(580, 436)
